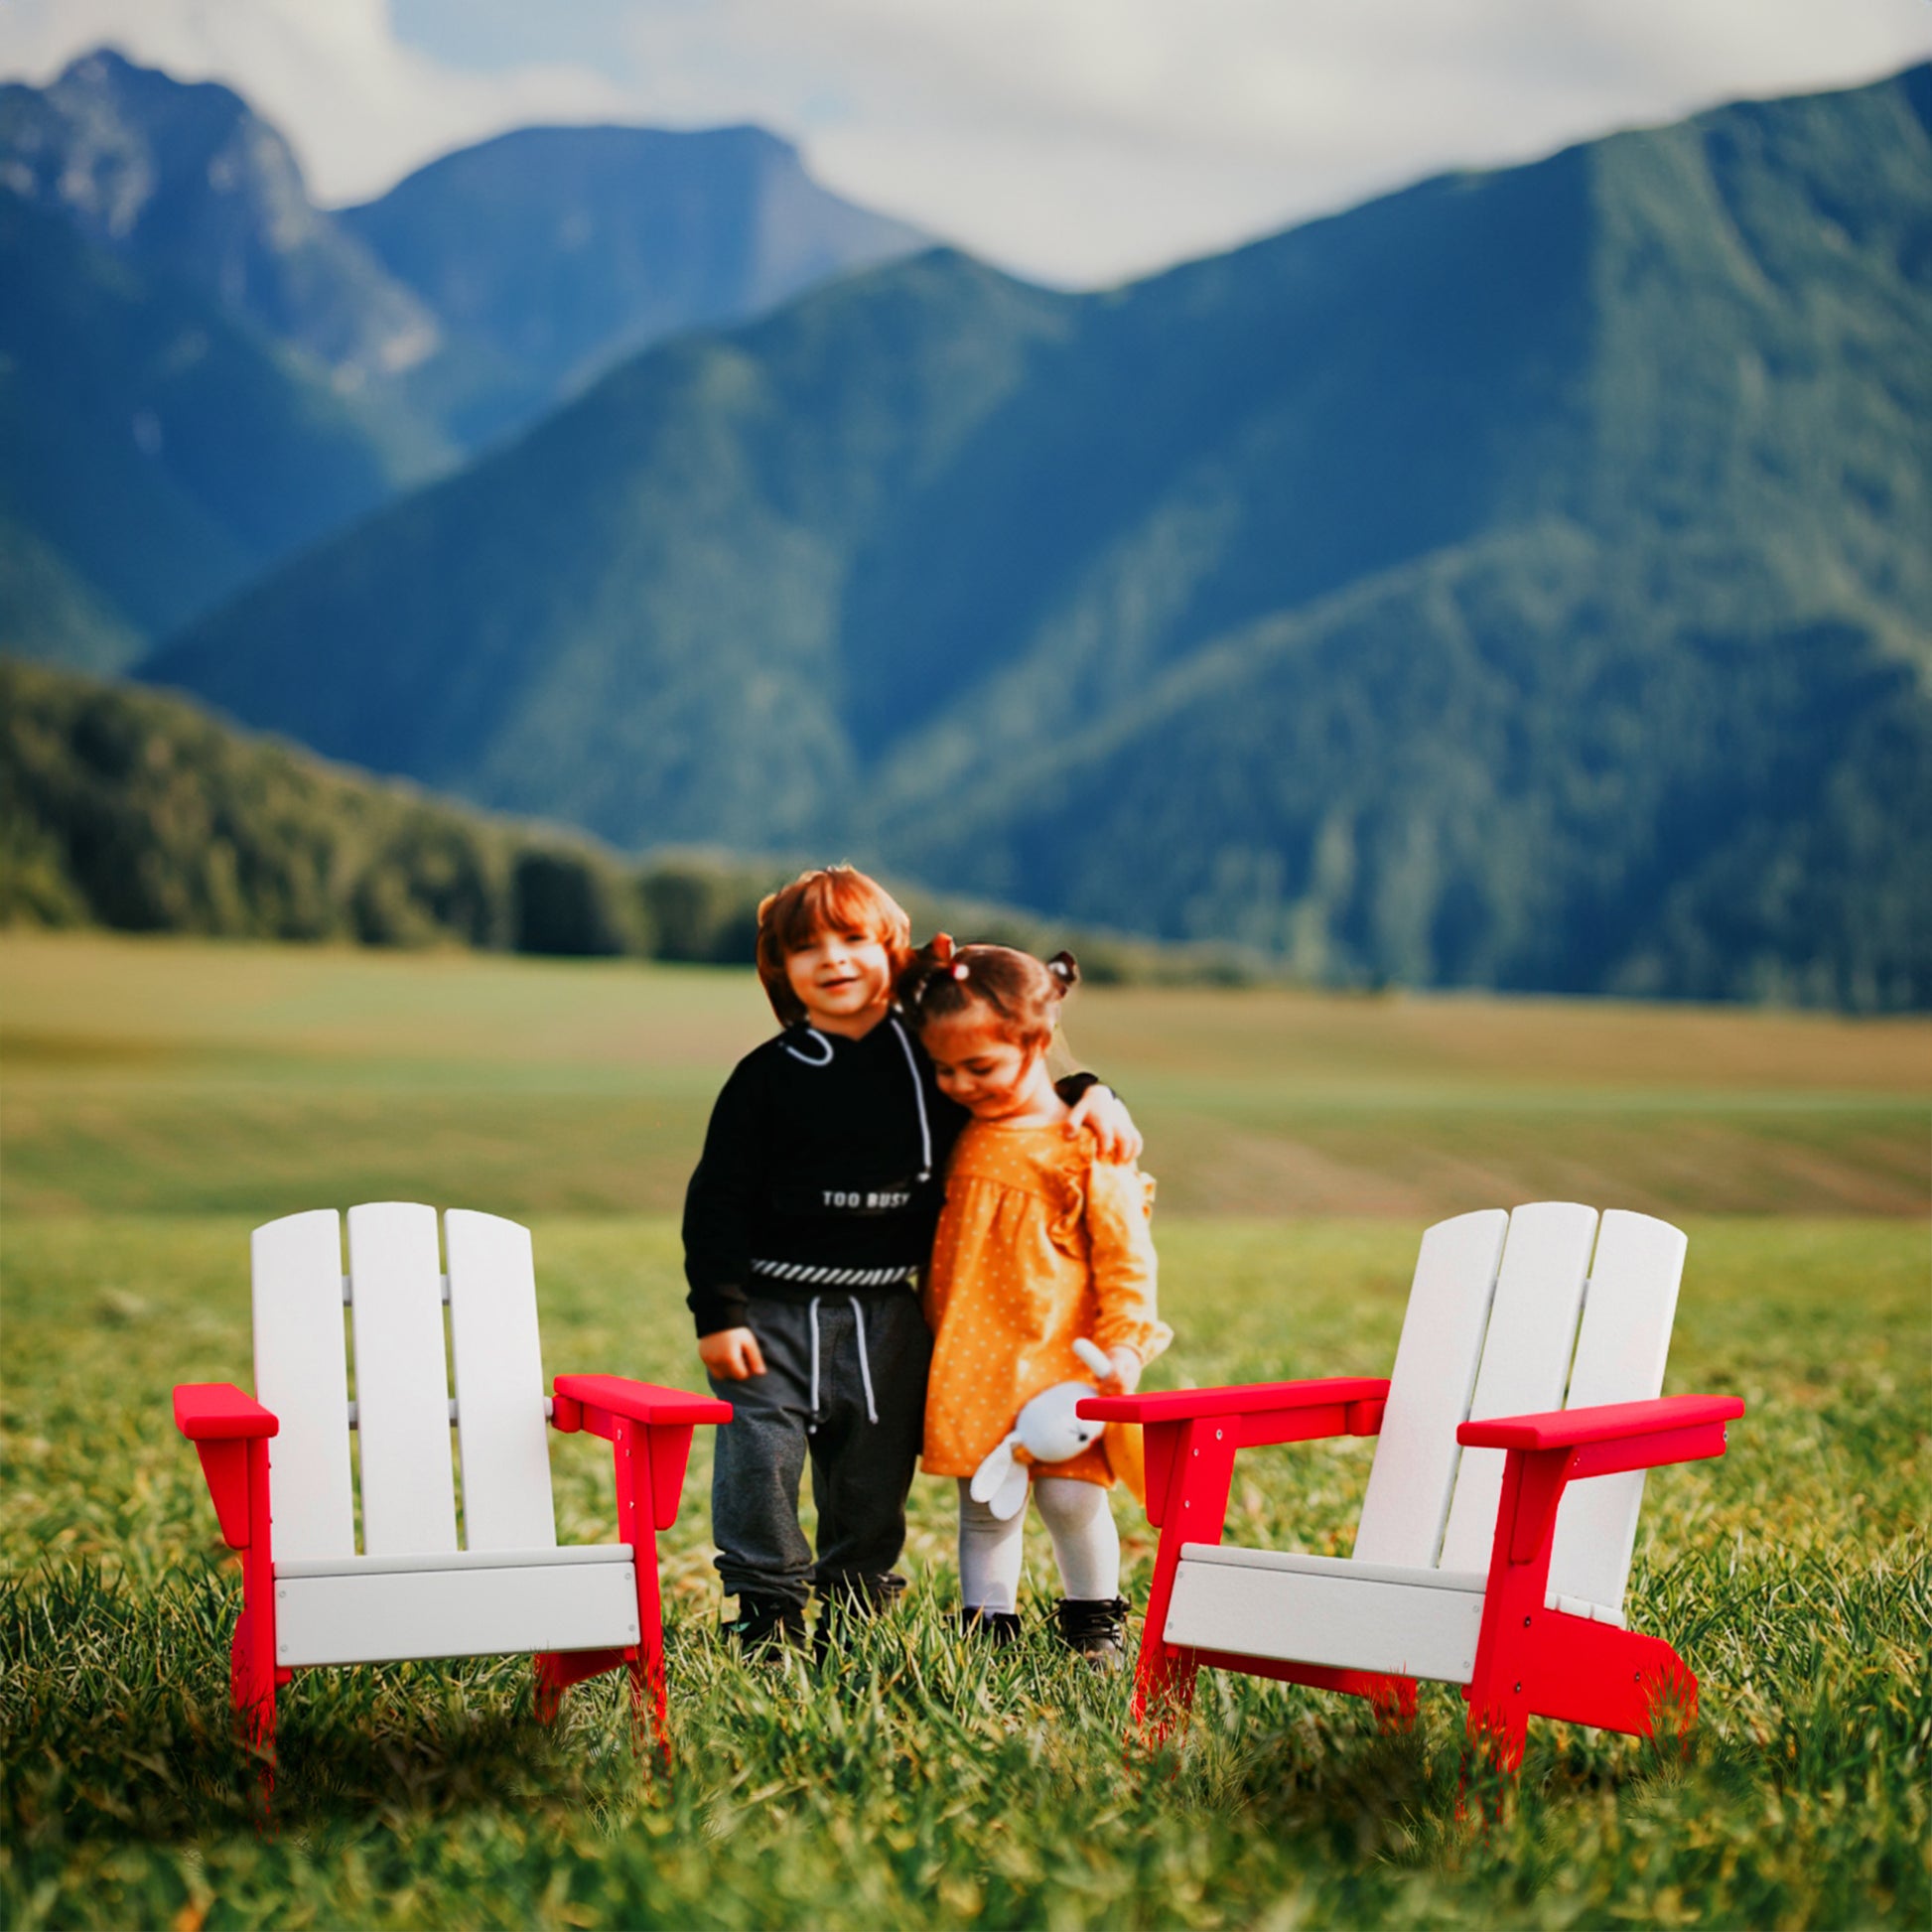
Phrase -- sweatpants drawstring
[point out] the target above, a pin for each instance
(865, 1367)
(864, 1361)
(812, 1428)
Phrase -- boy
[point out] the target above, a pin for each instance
(809, 1215)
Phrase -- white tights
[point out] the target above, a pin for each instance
(1086, 1546)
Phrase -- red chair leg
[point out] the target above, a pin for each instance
(1190, 1468)
(650, 1701)
(251, 1685)
(1393, 1700)
(558, 1670)
(252, 1670)
(635, 1447)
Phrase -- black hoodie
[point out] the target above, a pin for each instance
(823, 1169)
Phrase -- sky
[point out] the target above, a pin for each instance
(1078, 142)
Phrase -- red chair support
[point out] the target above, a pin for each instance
(1530, 1660)
(1191, 1437)
(1534, 1661)
(649, 1430)
(230, 1432)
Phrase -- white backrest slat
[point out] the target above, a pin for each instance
(1525, 1360)
(1620, 1354)
(402, 1390)
(1428, 1395)
(302, 1374)
(500, 1427)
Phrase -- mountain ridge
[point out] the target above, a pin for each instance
(1603, 448)
(169, 225)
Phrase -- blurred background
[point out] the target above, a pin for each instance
(1361, 518)
(1300, 481)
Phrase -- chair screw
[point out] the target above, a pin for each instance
(1526, 1623)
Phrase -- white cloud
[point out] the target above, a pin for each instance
(1075, 140)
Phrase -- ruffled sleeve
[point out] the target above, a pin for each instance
(1120, 1202)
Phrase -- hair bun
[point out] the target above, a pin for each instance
(1064, 968)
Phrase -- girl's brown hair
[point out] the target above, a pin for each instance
(832, 899)
(1025, 991)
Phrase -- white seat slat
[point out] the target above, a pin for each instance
(569, 1553)
(302, 1374)
(1428, 1392)
(402, 1393)
(1620, 1354)
(1237, 1557)
(385, 1616)
(498, 1364)
(1328, 1610)
(1525, 1360)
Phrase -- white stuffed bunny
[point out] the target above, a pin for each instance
(1048, 1430)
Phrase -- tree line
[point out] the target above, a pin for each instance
(139, 811)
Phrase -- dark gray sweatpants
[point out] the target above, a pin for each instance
(862, 1469)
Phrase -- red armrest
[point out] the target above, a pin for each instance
(1611, 1422)
(1253, 1398)
(643, 1402)
(219, 1412)
(602, 1404)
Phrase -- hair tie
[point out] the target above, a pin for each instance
(959, 969)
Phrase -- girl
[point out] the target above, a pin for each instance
(1040, 1242)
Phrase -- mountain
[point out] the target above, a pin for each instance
(154, 454)
(1520, 580)
(187, 180)
(193, 360)
(562, 249)
(206, 372)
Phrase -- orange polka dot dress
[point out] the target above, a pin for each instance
(1039, 1242)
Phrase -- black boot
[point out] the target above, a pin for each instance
(766, 1623)
(1094, 1627)
(996, 1628)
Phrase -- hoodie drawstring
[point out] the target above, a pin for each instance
(919, 1097)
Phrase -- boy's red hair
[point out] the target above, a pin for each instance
(832, 899)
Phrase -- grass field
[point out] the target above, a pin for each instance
(157, 1098)
(176, 1076)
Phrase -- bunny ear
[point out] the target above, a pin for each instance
(1011, 1497)
(991, 1474)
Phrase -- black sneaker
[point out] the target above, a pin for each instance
(1094, 1628)
(766, 1623)
(996, 1628)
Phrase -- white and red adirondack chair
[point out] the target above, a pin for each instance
(1496, 1534)
(278, 1467)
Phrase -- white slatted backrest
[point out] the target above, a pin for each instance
(1428, 1394)
(302, 1374)
(500, 1425)
(1525, 1360)
(1620, 1351)
(402, 1390)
